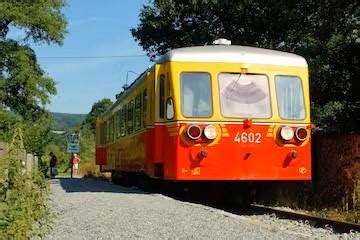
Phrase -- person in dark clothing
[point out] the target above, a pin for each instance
(53, 164)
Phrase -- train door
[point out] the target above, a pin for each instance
(159, 120)
(149, 123)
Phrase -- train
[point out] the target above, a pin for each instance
(216, 113)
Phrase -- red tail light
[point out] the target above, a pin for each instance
(194, 131)
(301, 134)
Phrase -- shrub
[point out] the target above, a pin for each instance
(24, 213)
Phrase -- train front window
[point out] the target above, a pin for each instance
(244, 95)
(290, 97)
(196, 99)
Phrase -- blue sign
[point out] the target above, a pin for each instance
(73, 148)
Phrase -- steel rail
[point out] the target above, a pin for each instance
(336, 226)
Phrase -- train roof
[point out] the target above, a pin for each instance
(127, 91)
(233, 54)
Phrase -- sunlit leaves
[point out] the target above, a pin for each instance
(23, 87)
(41, 20)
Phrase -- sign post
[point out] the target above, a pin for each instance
(73, 146)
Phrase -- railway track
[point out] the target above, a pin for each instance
(336, 226)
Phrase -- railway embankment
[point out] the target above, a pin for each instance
(335, 189)
(87, 208)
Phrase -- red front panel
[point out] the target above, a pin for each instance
(100, 156)
(238, 153)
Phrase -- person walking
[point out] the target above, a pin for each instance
(75, 164)
(53, 165)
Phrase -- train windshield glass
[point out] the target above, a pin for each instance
(244, 95)
(196, 99)
(290, 97)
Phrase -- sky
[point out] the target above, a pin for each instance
(95, 28)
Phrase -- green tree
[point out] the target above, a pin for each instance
(24, 88)
(37, 134)
(41, 20)
(325, 32)
(97, 109)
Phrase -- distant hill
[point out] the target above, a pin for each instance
(65, 121)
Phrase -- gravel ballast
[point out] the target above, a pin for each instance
(94, 209)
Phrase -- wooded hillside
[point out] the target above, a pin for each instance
(65, 121)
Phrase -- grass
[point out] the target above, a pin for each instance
(349, 216)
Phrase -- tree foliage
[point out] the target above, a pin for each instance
(325, 32)
(24, 87)
(41, 20)
(97, 109)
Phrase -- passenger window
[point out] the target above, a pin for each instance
(102, 133)
(108, 131)
(290, 97)
(112, 129)
(244, 95)
(196, 98)
(161, 96)
(118, 124)
(115, 126)
(105, 132)
(138, 112)
(130, 117)
(123, 122)
(144, 107)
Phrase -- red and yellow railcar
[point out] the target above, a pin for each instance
(219, 112)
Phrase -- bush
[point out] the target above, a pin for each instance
(24, 213)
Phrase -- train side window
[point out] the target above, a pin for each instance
(102, 133)
(138, 112)
(123, 122)
(144, 107)
(118, 124)
(112, 129)
(161, 96)
(105, 132)
(114, 126)
(130, 117)
(108, 131)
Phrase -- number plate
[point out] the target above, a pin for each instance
(248, 137)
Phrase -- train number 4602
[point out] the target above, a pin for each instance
(247, 137)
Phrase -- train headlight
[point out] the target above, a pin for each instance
(210, 132)
(193, 131)
(301, 134)
(287, 133)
